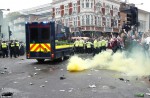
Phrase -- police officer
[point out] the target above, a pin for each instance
(4, 48)
(89, 46)
(76, 45)
(99, 45)
(103, 44)
(17, 48)
(12, 49)
(22, 48)
(81, 45)
(95, 47)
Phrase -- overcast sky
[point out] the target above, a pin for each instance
(16, 5)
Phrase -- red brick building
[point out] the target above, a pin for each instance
(88, 16)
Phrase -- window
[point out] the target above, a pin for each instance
(66, 9)
(91, 5)
(34, 34)
(107, 10)
(108, 22)
(57, 11)
(45, 34)
(98, 7)
(88, 19)
(82, 4)
(92, 20)
(115, 12)
(66, 22)
(75, 7)
(83, 22)
(87, 3)
(99, 21)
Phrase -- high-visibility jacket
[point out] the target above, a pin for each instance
(12, 45)
(95, 43)
(88, 44)
(17, 44)
(4, 45)
(99, 44)
(81, 43)
(76, 43)
(103, 43)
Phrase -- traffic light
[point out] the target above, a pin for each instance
(132, 16)
(129, 19)
(10, 33)
(134, 11)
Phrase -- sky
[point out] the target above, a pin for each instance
(145, 6)
(16, 5)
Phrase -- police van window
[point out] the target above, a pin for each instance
(45, 34)
(34, 34)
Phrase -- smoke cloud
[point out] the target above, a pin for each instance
(137, 64)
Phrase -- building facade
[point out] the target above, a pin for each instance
(88, 16)
(144, 20)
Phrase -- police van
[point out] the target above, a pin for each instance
(47, 40)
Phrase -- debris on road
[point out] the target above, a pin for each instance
(2, 72)
(61, 90)
(96, 70)
(46, 81)
(92, 86)
(42, 86)
(139, 95)
(89, 74)
(62, 69)
(5, 68)
(70, 90)
(15, 82)
(35, 73)
(35, 67)
(7, 94)
(121, 79)
(31, 83)
(105, 87)
(62, 78)
(38, 69)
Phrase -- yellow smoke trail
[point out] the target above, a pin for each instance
(138, 65)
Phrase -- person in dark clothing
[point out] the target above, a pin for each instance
(17, 48)
(12, 49)
(4, 48)
(22, 49)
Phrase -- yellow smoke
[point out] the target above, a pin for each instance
(137, 65)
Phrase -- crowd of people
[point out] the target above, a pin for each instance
(12, 48)
(123, 41)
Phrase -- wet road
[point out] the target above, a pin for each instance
(28, 79)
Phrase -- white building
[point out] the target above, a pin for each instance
(144, 19)
(39, 13)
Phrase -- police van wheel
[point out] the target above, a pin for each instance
(40, 60)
